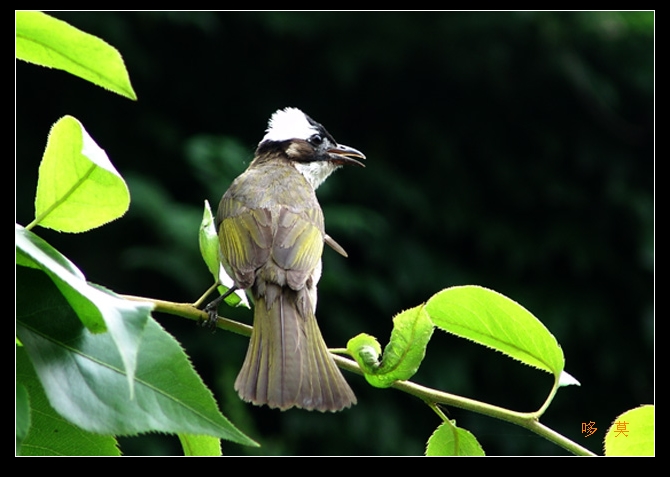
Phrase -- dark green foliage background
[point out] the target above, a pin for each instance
(508, 150)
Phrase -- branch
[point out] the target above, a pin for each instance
(187, 310)
(527, 420)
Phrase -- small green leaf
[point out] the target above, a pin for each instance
(632, 433)
(22, 415)
(208, 239)
(200, 445)
(449, 440)
(402, 357)
(84, 378)
(209, 242)
(49, 433)
(493, 320)
(366, 350)
(78, 188)
(46, 41)
(98, 310)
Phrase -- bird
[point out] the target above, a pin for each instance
(271, 235)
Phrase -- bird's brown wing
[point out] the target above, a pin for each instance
(298, 244)
(246, 239)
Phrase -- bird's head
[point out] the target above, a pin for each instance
(307, 144)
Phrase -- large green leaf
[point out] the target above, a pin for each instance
(78, 188)
(97, 309)
(49, 433)
(47, 41)
(84, 378)
(491, 319)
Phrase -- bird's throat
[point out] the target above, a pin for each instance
(316, 172)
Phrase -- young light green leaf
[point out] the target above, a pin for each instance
(493, 320)
(208, 239)
(78, 188)
(366, 350)
(402, 357)
(46, 41)
(84, 379)
(449, 440)
(98, 310)
(200, 445)
(49, 433)
(632, 433)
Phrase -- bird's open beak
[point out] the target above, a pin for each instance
(342, 154)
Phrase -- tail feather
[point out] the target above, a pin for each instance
(288, 363)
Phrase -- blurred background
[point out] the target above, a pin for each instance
(512, 150)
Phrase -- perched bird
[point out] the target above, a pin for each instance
(271, 233)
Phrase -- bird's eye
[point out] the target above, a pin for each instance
(316, 140)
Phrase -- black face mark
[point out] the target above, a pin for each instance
(318, 138)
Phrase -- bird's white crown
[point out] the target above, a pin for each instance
(289, 123)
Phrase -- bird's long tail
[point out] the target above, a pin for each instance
(287, 363)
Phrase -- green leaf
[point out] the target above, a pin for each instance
(449, 440)
(78, 188)
(83, 375)
(200, 445)
(98, 310)
(22, 414)
(402, 357)
(493, 320)
(366, 350)
(208, 239)
(632, 433)
(209, 242)
(49, 433)
(47, 41)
